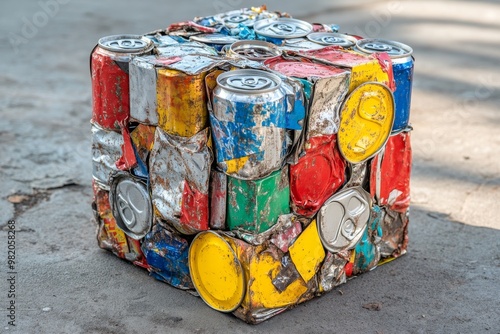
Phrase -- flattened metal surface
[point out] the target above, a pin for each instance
(216, 272)
(366, 120)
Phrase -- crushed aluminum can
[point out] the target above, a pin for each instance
(282, 234)
(363, 68)
(402, 68)
(219, 261)
(277, 30)
(394, 233)
(330, 85)
(366, 120)
(109, 236)
(167, 255)
(318, 174)
(246, 16)
(255, 205)
(110, 80)
(178, 92)
(343, 219)
(249, 123)
(367, 252)
(106, 150)
(332, 272)
(142, 138)
(185, 48)
(332, 38)
(299, 44)
(218, 200)
(131, 205)
(153, 82)
(390, 173)
(254, 50)
(216, 271)
(307, 252)
(217, 40)
(179, 178)
(136, 256)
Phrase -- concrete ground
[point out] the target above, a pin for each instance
(449, 282)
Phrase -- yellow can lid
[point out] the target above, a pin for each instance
(366, 120)
(216, 272)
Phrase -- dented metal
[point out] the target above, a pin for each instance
(179, 177)
(240, 172)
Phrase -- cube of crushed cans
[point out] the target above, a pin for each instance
(257, 159)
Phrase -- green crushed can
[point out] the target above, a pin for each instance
(255, 205)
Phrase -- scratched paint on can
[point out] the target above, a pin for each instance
(216, 272)
(255, 205)
(395, 233)
(332, 272)
(366, 120)
(167, 255)
(403, 77)
(106, 150)
(179, 178)
(318, 174)
(110, 91)
(363, 68)
(390, 173)
(218, 199)
(263, 264)
(136, 255)
(367, 250)
(330, 88)
(143, 139)
(143, 102)
(307, 252)
(117, 240)
(177, 93)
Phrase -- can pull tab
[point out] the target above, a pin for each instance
(283, 29)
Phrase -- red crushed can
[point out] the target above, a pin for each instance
(390, 173)
(110, 81)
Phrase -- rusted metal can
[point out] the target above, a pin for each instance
(217, 40)
(182, 102)
(218, 200)
(367, 251)
(256, 282)
(254, 50)
(402, 68)
(110, 81)
(363, 68)
(330, 85)
(106, 150)
(245, 16)
(277, 30)
(319, 173)
(343, 219)
(179, 178)
(255, 205)
(249, 123)
(186, 48)
(333, 38)
(394, 233)
(299, 44)
(167, 255)
(109, 236)
(390, 173)
(131, 205)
